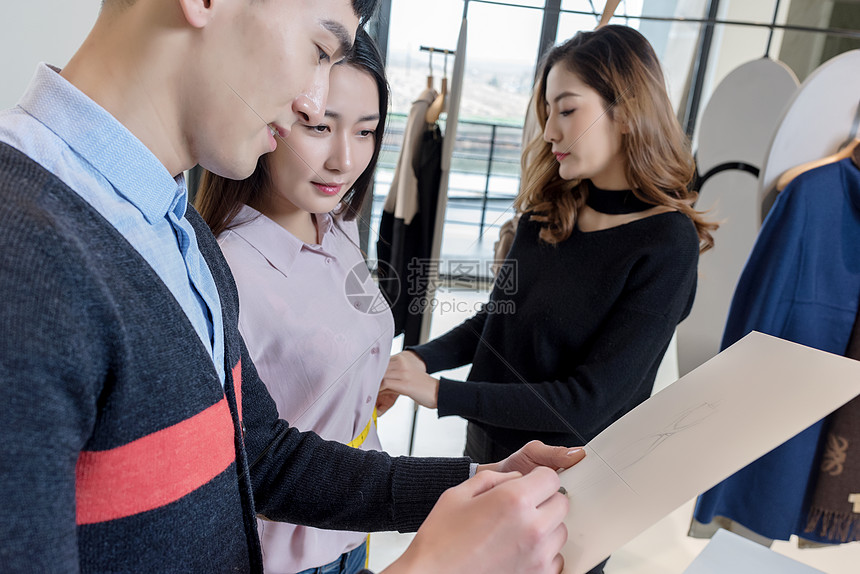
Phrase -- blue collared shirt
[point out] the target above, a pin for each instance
(74, 138)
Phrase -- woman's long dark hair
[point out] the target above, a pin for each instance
(219, 199)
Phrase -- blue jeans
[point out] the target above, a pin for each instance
(350, 563)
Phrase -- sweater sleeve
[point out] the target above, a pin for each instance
(629, 344)
(51, 356)
(298, 477)
(455, 348)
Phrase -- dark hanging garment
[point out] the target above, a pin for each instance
(835, 510)
(406, 247)
(408, 220)
(834, 513)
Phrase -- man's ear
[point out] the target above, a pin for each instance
(197, 12)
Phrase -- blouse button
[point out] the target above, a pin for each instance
(374, 351)
(328, 260)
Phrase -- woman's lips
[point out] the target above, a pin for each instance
(328, 189)
(561, 156)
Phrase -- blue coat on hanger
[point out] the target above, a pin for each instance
(800, 283)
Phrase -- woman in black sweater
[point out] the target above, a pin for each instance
(604, 261)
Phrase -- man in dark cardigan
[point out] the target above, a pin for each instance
(137, 436)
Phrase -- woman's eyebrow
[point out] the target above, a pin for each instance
(563, 95)
(337, 115)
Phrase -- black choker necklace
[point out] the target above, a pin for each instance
(614, 202)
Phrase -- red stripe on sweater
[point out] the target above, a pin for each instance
(156, 469)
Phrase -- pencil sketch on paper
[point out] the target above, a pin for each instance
(686, 419)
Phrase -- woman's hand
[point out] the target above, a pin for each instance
(536, 454)
(385, 400)
(407, 375)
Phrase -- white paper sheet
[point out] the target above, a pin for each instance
(741, 404)
(729, 553)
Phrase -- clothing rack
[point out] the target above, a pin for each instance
(692, 104)
(844, 32)
(440, 50)
(832, 31)
(447, 153)
(432, 50)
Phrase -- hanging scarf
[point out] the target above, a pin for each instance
(835, 509)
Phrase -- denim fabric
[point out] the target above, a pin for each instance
(350, 563)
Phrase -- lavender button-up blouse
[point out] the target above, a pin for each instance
(319, 333)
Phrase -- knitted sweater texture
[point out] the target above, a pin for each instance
(573, 334)
(120, 451)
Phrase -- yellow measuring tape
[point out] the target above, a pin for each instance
(355, 443)
(359, 440)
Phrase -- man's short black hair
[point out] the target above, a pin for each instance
(364, 9)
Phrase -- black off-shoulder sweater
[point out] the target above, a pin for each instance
(577, 341)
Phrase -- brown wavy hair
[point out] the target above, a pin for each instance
(620, 65)
(219, 199)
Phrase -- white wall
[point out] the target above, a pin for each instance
(33, 31)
